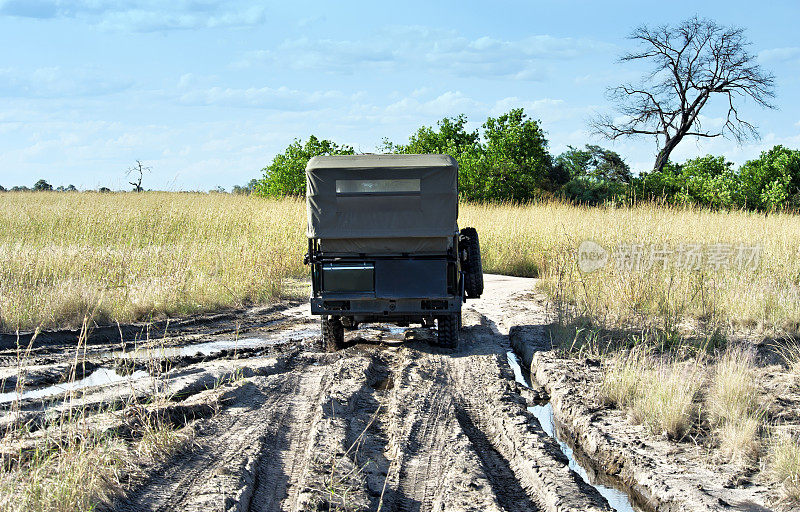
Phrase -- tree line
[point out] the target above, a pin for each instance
(40, 186)
(507, 159)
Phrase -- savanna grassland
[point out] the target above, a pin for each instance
(126, 257)
(676, 344)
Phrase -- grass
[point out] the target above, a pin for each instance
(73, 465)
(542, 240)
(129, 257)
(658, 392)
(76, 475)
(791, 356)
(734, 392)
(663, 391)
(81, 469)
(732, 405)
(142, 256)
(784, 465)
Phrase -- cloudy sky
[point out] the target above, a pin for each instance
(206, 92)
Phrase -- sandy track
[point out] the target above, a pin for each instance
(376, 426)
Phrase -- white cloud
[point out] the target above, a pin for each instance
(52, 82)
(547, 110)
(786, 54)
(430, 50)
(141, 15)
(192, 92)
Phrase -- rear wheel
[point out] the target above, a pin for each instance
(471, 264)
(447, 330)
(349, 324)
(332, 333)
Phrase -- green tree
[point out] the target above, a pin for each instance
(512, 164)
(772, 180)
(706, 181)
(515, 164)
(285, 176)
(451, 138)
(594, 162)
(42, 185)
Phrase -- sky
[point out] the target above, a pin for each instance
(207, 92)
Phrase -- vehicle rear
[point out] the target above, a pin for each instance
(384, 245)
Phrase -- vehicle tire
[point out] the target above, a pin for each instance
(472, 266)
(349, 324)
(447, 330)
(332, 333)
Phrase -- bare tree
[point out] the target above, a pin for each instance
(692, 62)
(138, 172)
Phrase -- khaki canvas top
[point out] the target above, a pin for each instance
(381, 196)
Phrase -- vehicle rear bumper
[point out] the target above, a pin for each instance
(344, 306)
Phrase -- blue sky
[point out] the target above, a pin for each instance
(206, 92)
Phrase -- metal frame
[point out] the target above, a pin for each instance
(366, 307)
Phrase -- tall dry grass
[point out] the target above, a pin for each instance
(784, 465)
(157, 253)
(542, 240)
(136, 256)
(657, 391)
(733, 404)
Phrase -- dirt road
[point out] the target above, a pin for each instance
(282, 425)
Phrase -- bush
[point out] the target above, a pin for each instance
(42, 185)
(285, 176)
(585, 190)
(707, 181)
(773, 180)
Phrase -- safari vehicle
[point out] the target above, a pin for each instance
(384, 246)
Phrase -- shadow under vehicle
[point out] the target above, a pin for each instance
(384, 245)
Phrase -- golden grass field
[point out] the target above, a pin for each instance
(131, 256)
(128, 257)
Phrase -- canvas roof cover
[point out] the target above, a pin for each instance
(381, 196)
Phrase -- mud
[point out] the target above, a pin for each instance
(389, 423)
(659, 474)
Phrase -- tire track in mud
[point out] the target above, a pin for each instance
(426, 438)
(342, 445)
(483, 384)
(444, 460)
(219, 474)
(412, 428)
(284, 454)
(506, 487)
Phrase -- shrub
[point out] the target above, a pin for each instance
(772, 180)
(784, 465)
(285, 176)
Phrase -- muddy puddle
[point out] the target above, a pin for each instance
(211, 348)
(617, 499)
(100, 377)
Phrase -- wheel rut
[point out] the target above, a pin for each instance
(505, 485)
(260, 417)
(375, 426)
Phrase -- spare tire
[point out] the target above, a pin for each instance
(471, 262)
